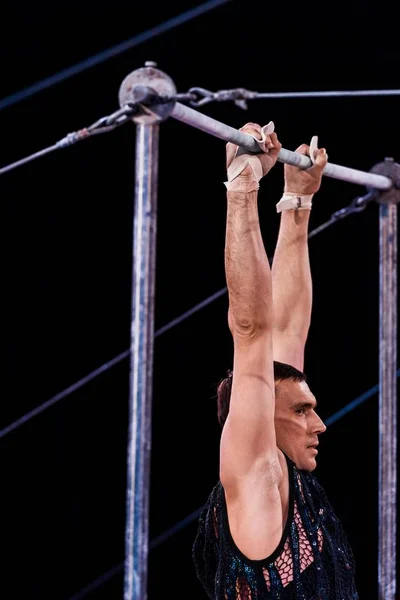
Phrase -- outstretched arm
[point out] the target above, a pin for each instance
(291, 275)
(248, 438)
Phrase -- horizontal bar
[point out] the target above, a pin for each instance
(205, 123)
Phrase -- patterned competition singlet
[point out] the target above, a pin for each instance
(313, 560)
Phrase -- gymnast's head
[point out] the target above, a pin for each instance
(297, 425)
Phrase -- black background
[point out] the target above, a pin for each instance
(66, 281)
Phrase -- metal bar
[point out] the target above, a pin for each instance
(230, 134)
(141, 368)
(387, 401)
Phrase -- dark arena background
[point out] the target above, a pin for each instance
(67, 228)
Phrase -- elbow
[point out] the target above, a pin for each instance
(295, 335)
(248, 327)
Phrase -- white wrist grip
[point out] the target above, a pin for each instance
(294, 202)
(242, 159)
(249, 182)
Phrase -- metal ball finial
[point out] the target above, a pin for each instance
(154, 81)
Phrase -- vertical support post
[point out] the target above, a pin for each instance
(387, 400)
(135, 88)
(141, 366)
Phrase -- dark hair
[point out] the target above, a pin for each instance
(281, 371)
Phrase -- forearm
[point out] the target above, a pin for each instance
(247, 269)
(291, 276)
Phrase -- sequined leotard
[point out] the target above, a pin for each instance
(313, 560)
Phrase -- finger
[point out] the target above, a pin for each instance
(269, 143)
(321, 158)
(303, 149)
(266, 131)
(275, 142)
(253, 131)
(254, 126)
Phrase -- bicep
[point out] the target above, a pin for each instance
(248, 440)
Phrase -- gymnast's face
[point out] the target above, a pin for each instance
(297, 425)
